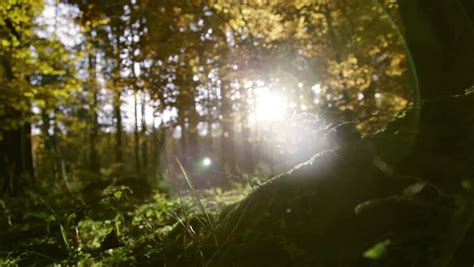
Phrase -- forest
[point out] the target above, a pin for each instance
(318, 133)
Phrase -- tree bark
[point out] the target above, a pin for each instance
(16, 155)
(144, 141)
(227, 123)
(136, 134)
(117, 103)
(93, 154)
(16, 158)
(118, 128)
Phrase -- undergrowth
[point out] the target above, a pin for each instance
(117, 225)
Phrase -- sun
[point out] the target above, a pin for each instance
(207, 161)
(269, 106)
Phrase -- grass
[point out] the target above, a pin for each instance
(45, 228)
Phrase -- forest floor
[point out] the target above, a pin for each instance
(104, 226)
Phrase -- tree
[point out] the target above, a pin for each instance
(30, 67)
(16, 153)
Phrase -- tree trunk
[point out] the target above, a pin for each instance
(93, 155)
(228, 135)
(94, 161)
(16, 155)
(118, 127)
(117, 103)
(136, 134)
(48, 144)
(248, 161)
(144, 141)
(158, 150)
(17, 158)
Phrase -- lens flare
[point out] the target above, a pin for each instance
(206, 162)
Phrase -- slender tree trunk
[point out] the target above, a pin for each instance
(184, 143)
(159, 150)
(163, 154)
(193, 134)
(144, 141)
(117, 103)
(94, 160)
(156, 142)
(118, 126)
(57, 154)
(136, 134)
(247, 148)
(50, 157)
(209, 118)
(185, 104)
(93, 155)
(227, 122)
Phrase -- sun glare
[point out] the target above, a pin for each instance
(207, 161)
(270, 106)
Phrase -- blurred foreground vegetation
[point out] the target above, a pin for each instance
(116, 225)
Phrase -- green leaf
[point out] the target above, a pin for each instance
(118, 195)
(378, 250)
(466, 184)
(414, 189)
(65, 237)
